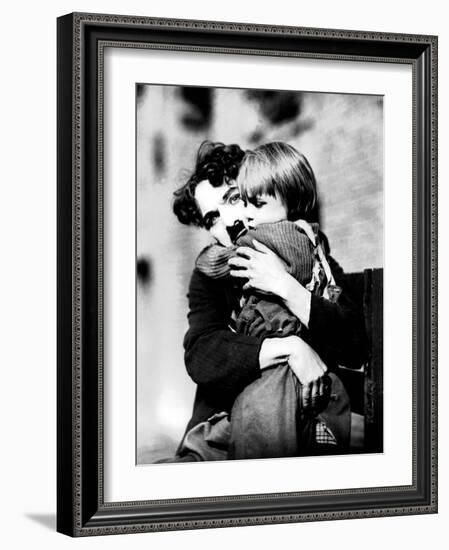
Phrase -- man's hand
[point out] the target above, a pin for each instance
(265, 272)
(262, 268)
(307, 366)
(312, 373)
(316, 395)
(305, 362)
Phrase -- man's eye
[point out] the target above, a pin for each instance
(234, 199)
(259, 204)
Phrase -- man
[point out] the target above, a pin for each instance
(223, 363)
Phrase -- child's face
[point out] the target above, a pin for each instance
(264, 209)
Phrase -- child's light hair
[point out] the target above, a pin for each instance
(279, 170)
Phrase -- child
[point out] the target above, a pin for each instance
(278, 185)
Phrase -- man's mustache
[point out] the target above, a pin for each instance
(238, 229)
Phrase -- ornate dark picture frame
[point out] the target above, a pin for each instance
(81, 510)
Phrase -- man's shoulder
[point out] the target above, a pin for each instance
(201, 280)
(206, 293)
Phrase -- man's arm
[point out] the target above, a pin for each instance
(216, 357)
(336, 330)
(225, 362)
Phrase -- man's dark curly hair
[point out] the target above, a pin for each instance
(215, 162)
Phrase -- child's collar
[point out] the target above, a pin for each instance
(308, 230)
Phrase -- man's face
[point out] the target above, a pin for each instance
(220, 208)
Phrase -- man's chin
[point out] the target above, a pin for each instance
(223, 241)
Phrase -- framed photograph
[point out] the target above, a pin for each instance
(247, 274)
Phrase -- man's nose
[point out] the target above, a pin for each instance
(231, 214)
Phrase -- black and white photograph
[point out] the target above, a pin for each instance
(259, 273)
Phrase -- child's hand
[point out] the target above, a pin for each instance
(264, 270)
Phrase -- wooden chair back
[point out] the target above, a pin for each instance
(365, 385)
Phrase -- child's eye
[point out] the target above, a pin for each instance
(257, 202)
